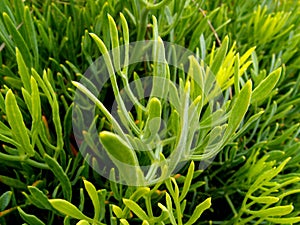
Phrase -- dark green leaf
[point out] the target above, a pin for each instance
(30, 219)
(19, 40)
(5, 199)
(60, 175)
(37, 196)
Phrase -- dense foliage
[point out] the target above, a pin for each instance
(251, 48)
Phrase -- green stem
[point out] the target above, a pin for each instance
(24, 159)
(155, 188)
(231, 205)
(7, 211)
(99, 104)
(37, 164)
(178, 210)
(148, 205)
(175, 199)
(246, 221)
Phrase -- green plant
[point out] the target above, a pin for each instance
(167, 214)
(249, 48)
(193, 98)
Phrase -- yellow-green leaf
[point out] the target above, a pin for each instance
(136, 209)
(118, 149)
(198, 211)
(154, 119)
(16, 122)
(265, 87)
(239, 109)
(83, 222)
(265, 199)
(291, 220)
(274, 211)
(23, 70)
(90, 188)
(68, 209)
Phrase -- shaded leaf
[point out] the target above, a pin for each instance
(60, 175)
(30, 219)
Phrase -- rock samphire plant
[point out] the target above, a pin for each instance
(149, 112)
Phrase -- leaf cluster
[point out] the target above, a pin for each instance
(252, 50)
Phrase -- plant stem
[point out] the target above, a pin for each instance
(209, 23)
(231, 205)
(148, 205)
(7, 211)
(25, 160)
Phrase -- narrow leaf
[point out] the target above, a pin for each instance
(170, 209)
(140, 192)
(136, 209)
(198, 211)
(187, 182)
(115, 43)
(90, 188)
(265, 87)
(153, 122)
(117, 211)
(239, 109)
(291, 220)
(37, 196)
(15, 183)
(126, 42)
(36, 109)
(2, 103)
(30, 219)
(265, 199)
(118, 149)
(31, 34)
(68, 209)
(18, 39)
(274, 211)
(220, 56)
(16, 122)
(23, 70)
(60, 175)
(83, 222)
(124, 222)
(5, 199)
(166, 213)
